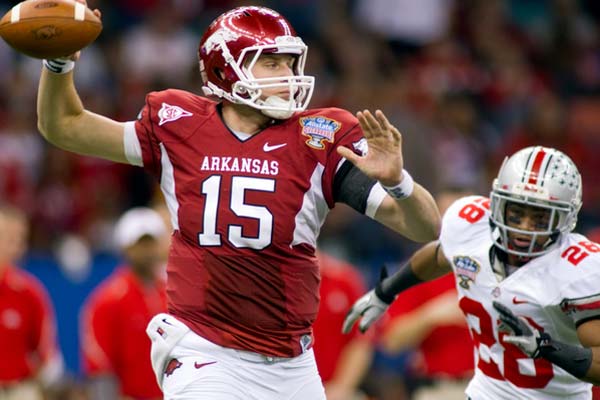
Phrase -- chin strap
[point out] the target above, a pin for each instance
(279, 105)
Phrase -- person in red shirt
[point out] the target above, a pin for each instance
(342, 360)
(429, 321)
(29, 354)
(115, 348)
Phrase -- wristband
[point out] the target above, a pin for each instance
(402, 190)
(59, 65)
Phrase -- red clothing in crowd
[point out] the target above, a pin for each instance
(114, 340)
(341, 286)
(448, 349)
(27, 326)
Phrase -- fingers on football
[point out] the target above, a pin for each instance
(348, 154)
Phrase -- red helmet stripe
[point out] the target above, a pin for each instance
(537, 165)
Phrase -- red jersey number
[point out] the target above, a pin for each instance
(543, 368)
(211, 189)
(577, 253)
(473, 212)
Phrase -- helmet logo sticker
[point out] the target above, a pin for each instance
(219, 37)
(169, 113)
(319, 130)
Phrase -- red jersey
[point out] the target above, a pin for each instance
(27, 326)
(341, 286)
(242, 270)
(447, 350)
(113, 330)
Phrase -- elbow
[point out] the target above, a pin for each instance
(429, 231)
(53, 131)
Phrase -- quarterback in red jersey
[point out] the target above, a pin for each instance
(248, 174)
(114, 318)
(28, 348)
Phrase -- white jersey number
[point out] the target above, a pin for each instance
(211, 188)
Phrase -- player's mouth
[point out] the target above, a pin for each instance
(521, 243)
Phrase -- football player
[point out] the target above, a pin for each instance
(248, 175)
(528, 286)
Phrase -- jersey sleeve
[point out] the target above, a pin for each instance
(97, 326)
(359, 192)
(580, 298)
(141, 145)
(463, 222)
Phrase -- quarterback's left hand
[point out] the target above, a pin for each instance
(383, 161)
(524, 335)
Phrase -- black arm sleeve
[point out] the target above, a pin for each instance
(388, 287)
(573, 359)
(352, 187)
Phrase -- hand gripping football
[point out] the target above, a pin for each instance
(49, 28)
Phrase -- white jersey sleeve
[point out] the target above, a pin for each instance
(578, 267)
(464, 223)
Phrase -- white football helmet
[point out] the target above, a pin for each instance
(540, 177)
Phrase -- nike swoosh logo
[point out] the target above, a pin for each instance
(517, 301)
(198, 366)
(166, 322)
(268, 148)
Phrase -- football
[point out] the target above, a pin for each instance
(49, 28)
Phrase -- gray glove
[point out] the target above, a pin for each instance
(370, 307)
(523, 334)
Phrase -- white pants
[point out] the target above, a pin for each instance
(197, 369)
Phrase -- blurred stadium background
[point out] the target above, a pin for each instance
(466, 81)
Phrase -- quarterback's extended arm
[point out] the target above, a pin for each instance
(426, 264)
(63, 121)
(408, 208)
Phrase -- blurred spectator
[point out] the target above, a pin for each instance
(429, 324)
(458, 147)
(159, 50)
(115, 347)
(342, 360)
(406, 24)
(429, 321)
(30, 358)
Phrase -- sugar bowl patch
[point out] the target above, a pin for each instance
(319, 130)
(466, 270)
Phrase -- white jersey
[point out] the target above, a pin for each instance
(555, 292)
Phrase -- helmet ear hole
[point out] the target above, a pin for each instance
(219, 73)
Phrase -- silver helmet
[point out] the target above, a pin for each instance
(540, 177)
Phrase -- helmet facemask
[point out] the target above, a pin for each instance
(248, 90)
(535, 177)
(562, 219)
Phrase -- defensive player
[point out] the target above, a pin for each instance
(530, 290)
(248, 180)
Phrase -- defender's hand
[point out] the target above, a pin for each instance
(383, 161)
(523, 334)
(370, 307)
